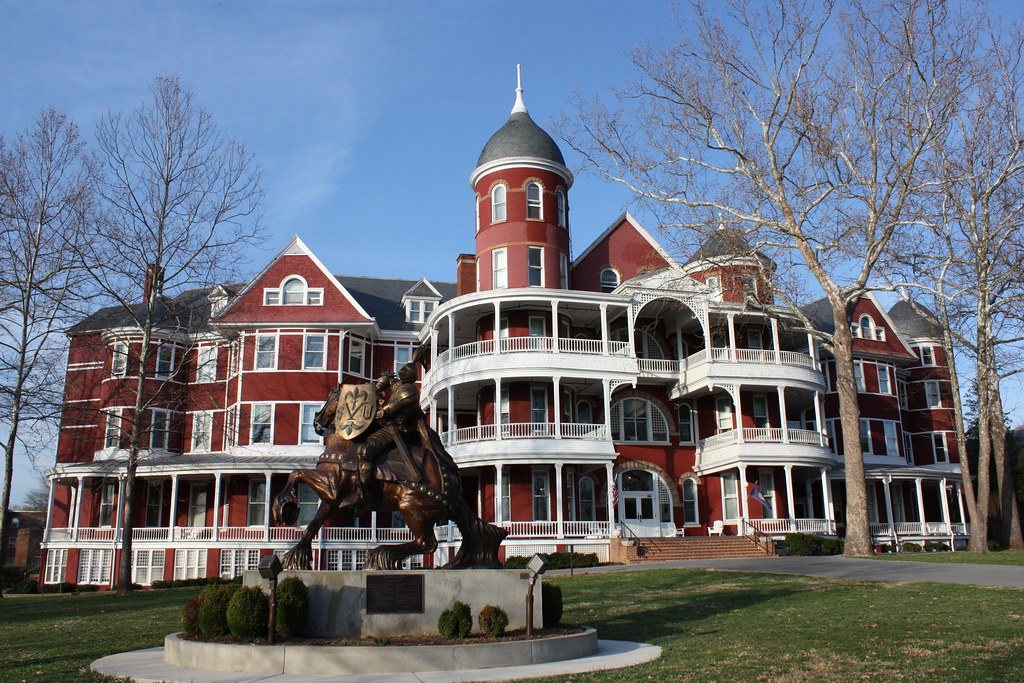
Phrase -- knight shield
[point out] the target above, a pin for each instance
(356, 408)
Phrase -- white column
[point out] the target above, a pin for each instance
(826, 498)
(554, 326)
(451, 413)
(217, 477)
(496, 332)
(782, 414)
(266, 507)
(451, 330)
(76, 513)
(732, 337)
(960, 504)
(172, 518)
(497, 408)
(498, 490)
(679, 342)
(607, 386)
(433, 413)
(790, 497)
(817, 415)
(49, 512)
(886, 481)
(920, 501)
(373, 526)
(631, 325)
(744, 499)
(556, 383)
(604, 329)
(737, 401)
(775, 339)
(945, 506)
(609, 469)
(559, 500)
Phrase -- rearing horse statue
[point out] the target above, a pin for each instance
(416, 475)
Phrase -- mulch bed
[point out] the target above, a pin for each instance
(431, 639)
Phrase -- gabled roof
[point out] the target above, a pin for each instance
(423, 289)
(383, 298)
(626, 217)
(914, 320)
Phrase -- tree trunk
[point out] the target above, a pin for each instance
(1010, 531)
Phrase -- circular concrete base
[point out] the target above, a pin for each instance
(148, 666)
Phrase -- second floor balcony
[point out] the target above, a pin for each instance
(764, 445)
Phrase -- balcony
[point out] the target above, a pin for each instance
(708, 366)
(526, 430)
(764, 445)
(484, 445)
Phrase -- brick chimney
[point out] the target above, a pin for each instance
(154, 281)
(466, 274)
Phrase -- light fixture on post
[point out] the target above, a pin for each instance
(537, 565)
(270, 567)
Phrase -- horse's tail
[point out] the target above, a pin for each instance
(480, 540)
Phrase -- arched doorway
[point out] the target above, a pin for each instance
(645, 503)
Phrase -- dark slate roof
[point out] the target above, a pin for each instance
(421, 290)
(820, 314)
(382, 298)
(189, 310)
(520, 137)
(722, 243)
(915, 320)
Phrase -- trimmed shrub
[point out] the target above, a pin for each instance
(809, 544)
(563, 560)
(456, 621)
(190, 616)
(247, 613)
(993, 546)
(911, 547)
(551, 594)
(493, 620)
(24, 587)
(292, 606)
(62, 587)
(213, 610)
(516, 562)
(87, 588)
(935, 547)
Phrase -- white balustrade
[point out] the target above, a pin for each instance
(392, 535)
(193, 533)
(762, 435)
(790, 526)
(586, 529)
(242, 533)
(658, 366)
(150, 533)
(346, 533)
(58, 534)
(530, 529)
(102, 533)
(285, 533)
(527, 430)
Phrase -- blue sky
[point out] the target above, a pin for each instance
(366, 116)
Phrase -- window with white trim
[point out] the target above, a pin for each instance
(563, 219)
(498, 212)
(418, 310)
(147, 566)
(261, 423)
(231, 427)
(307, 433)
(588, 500)
(872, 502)
(403, 356)
(609, 279)
(865, 436)
(908, 448)
(112, 431)
(499, 269)
(563, 271)
(714, 283)
(754, 333)
(154, 503)
(56, 565)
(190, 564)
(506, 494)
(159, 429)
(535, 266)
(197, 504)
(538, 405)
(691, 515)
(927, 355)
(891, 440)
(538, 326)
(932, 396)
(534, 205)
(766, 480)
(730, 495)
(256, 507)
(165, 360)
(504, 409)
(234, 562)
(939, 447)
(760, 403)
(119, 361)
(724, 414)
(858, 376)
(357, 357)
(293, 292)
(94, 566)
(901, 391)
(637, 419)
(313, 352)
(309, 502)
(883, 379)
(206, 364)
(266, 351)
(106, 516)
(541, 495)
(202, 431)
(686, 433)
(584, 412)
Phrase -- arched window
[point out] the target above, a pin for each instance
(637, 419)
(498, 214)
(534, 207)
(584, 413)
(293, 291)
(609, 279)
(690, 512)
(563, 219)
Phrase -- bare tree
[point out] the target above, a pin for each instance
(180, 203)
(804, 127)
(45, 204)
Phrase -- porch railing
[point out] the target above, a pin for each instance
(763, 435)
(791, 526)
(526, 430)
(590, 347)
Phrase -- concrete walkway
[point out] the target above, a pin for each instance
(839, 567)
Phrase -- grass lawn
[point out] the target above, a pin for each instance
(1003, 557)
(713, 626)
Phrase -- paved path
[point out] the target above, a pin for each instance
(839, 567)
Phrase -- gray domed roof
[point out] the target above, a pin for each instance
(520, 137)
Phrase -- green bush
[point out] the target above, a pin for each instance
(993, 546)
(24, 587)
(190, 616)
(213, 611)
(87, 588)
(247, 613)
(516, 562)
(292, 606)
(186, 583)
(493, 620)
(551, 595)
(456, 621)
(809, 544)
(563, 560)
(62, 587)
(911, 547)
(932, 546)
(13, 573)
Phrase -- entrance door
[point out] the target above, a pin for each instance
(638, 497)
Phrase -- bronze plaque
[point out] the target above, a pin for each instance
(394, 594)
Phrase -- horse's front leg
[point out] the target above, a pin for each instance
(301, 554)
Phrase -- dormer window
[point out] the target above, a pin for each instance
(609, 279)
(418, 310)
(534, 207)
(865, 329)
(293, 292)
(498, 214)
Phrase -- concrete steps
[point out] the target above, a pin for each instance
(692, 548)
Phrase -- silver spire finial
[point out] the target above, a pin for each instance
(519, 106)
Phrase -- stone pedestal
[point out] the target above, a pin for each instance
(338, 600)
